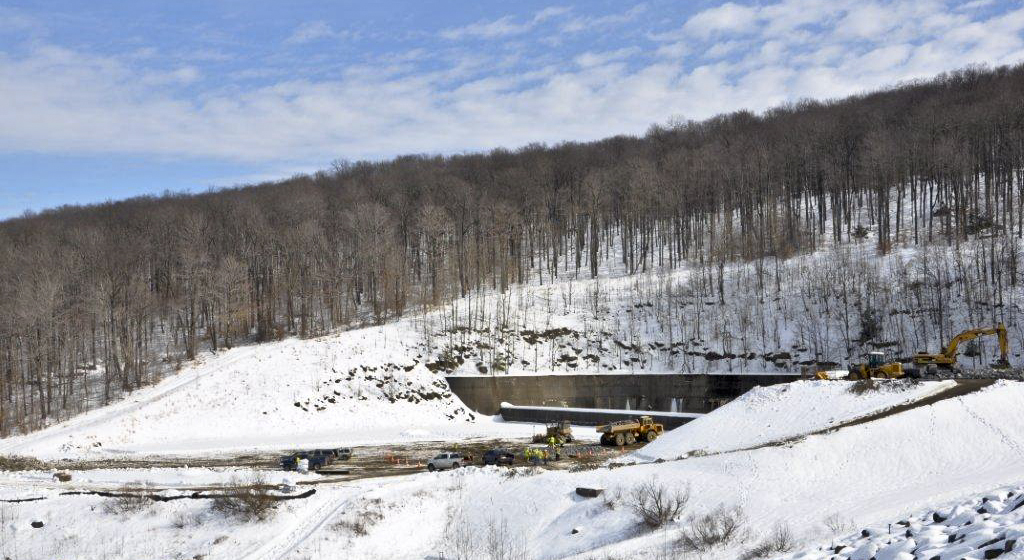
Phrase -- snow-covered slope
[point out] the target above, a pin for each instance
(867, 474)
(770, 414)
(354, 387)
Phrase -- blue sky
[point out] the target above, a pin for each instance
(105, 100)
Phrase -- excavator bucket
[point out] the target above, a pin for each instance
(1001, 364)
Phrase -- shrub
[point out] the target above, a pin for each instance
(128, 501)
(656, 504)
(247, 501)
(838, 524)
(182, 519)
(779, 541)
(720, 526)
(502, 543)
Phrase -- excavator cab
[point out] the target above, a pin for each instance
(876, 359)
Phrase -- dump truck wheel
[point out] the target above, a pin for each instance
(650, 436)
(620, 440)
(630, 439)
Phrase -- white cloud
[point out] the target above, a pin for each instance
(313, 31)
(550, 12)
(503, 26)
(484, 29)
(56, 99)
(589, 23)
(727, 18)
(184, 76)
(675, 50)
(975, 4)
(599, 58)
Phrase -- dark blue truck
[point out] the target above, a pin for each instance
(318, 458)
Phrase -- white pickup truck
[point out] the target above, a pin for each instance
(446, 461)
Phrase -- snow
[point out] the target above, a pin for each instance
(277, 396)
(872, 474)
(992, 523)
(869, 473)
(779, 412)
(770, 453)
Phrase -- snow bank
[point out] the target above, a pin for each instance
(779, 412)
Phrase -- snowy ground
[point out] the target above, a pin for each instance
(356, 387)
(826, 487)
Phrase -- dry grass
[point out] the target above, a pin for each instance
(360, 522)
(21, 463)
(248, 501)
(128, 501)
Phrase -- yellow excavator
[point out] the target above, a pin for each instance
(947, 357)
(877, 366)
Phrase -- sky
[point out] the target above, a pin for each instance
(104, 100)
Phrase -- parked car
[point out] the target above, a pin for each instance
(499, 457)
(341, 453)
(318, 459)
(446, 461)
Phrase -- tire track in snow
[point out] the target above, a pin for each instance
(282, 545)
(119, 409)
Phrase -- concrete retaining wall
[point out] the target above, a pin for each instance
(649, 392)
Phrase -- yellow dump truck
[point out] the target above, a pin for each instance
(628, 432)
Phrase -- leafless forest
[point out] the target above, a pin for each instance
(97, 300)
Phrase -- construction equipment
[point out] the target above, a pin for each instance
(561, 431)
(947, 357)
(628, 432)
(876, 366)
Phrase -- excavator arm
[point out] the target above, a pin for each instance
(948, 355)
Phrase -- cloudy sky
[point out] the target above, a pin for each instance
(109, 99)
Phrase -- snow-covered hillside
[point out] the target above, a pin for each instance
(821, 311)
(769, 458)
(864, 474)
(360, 386)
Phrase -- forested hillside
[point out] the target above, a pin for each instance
(99, 300)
